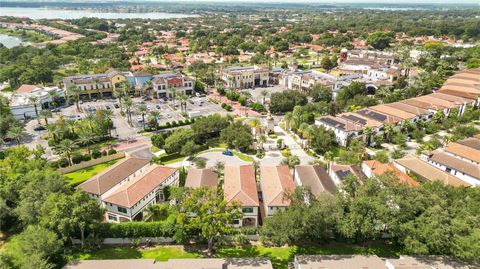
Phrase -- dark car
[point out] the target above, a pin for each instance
(39, 128)
(227, 153)
(116, 106)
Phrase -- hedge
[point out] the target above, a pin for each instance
(136, 229)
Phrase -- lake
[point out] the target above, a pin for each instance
(46, 13)
(10, 41)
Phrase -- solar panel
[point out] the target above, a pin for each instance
(334, 123)
(355, 119)
(373, 115)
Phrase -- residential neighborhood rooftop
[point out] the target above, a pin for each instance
(276, 182)
(197, 178)
(316, 178)
(240, 185)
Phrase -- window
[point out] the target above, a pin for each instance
(112, 217)
(236, 221)
(122, 209)
(247, 210)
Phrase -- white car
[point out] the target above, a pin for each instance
(139, 119)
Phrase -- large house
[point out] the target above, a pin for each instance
(168, 84)
(127, 187)
(240, 186)
(453, 97)
(276, 183)
(315, 178)
(197, 178)
(245, 77)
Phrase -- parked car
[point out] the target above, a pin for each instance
(116, 106)
(227, 153)
(39, 128)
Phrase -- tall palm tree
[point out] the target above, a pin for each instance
(35, 101)
(291, 162)
(155, 116)
(16, 133)
(45, 114)
(107, 115)
(182, 98)
(54, 96)
(75, 92)
(66, 147)
(255, 124)
(90, 122)
(173, 95)
(288, 119)
(388, 131)
(264, 94)
(142, 109)
(86, 139)
(262, 139)
(147, 86)
(98, 82)
(219, 167)
(128, 103)
(121, 92)
(53, 132)
(367, 135)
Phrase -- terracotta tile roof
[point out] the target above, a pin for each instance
(408, 108)
(316, 178)
(132, 192)
(379, 169)
(464, 151)
(470, 89)
(472, 142)
(465, 167)
(240, 185)
(435, 101)
(457, 99)
(429, 172)
(105, 180)
(462, 94)
(393, 112)
(427, 262)
(421, 104)
(26, 88)
(340, 262)
(197, 178)
(276, 182)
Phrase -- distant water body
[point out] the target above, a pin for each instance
(10, 41)
(46, 13)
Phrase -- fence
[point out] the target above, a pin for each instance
(82, 165)
(154, 240)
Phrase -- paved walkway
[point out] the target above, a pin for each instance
(238, 109)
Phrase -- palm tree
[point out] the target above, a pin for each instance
(53, 95)
(288, 119)
(262, 139)
(66, 147)
(35, 101)
(16, 133)
(75, 92)
(264, 94)
(173, 95)
(97, 82)
(53, 132)
(182, 97)
(150, 212)
(45, 114)
(121, 92)
(367, 135)
(142, 109)
(107, 114)
(128, 103)
(155, 116)
(388, 131)
(255, 124)
(70, 125)
(147, 86)
(291, 162)
(86, 139)
(219, 167)
(90, 121)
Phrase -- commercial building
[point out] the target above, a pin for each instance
(168, 84)
(245, 77)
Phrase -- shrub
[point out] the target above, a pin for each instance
(273, 136)
(104, 153)
(96, 154)
(257, 107)
(137, 229)
(180, 122)
(63, 162)
(286, 153)
(77, 158)
(168, 124)
(158, 141)
(87, 157)
(174, 123)
(112, 151)
(223, 105)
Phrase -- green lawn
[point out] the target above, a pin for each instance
(242, 156)
(81, 175)
(159, 254)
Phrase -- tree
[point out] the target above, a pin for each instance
(189, 148)
(326, 63)
(154, 116)
(75, 92)
(156, 212)
(321, 139)
(177, 139)
(40, 243)
(45, 114)
(321, 93)
(66, 147)
(205, 209)
(262, 139)
(380, 40)
(128, 104)
(291, 161)
(264, 94)
(255, 124)
(200, 162)
(86, 139)
(142, 109)
(183, 98)
(35, 101)
(157, 141)
(172, 94)
(237, 135)
(281, 102)
(16, 133)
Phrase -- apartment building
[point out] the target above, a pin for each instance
(245, 77)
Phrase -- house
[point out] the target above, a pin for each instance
(342, 128)
(164, 84)
(339, 172)
(426, 262)
(209, 263)
(197, 178)
(315, 178)
(424, 171)
(464, 152)
(21, 106)
(118, 174)
(276, 182)
(464, 170)
(240, 186)
(245, 77)
(338, 262)
(373, 168)
(127, 202)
